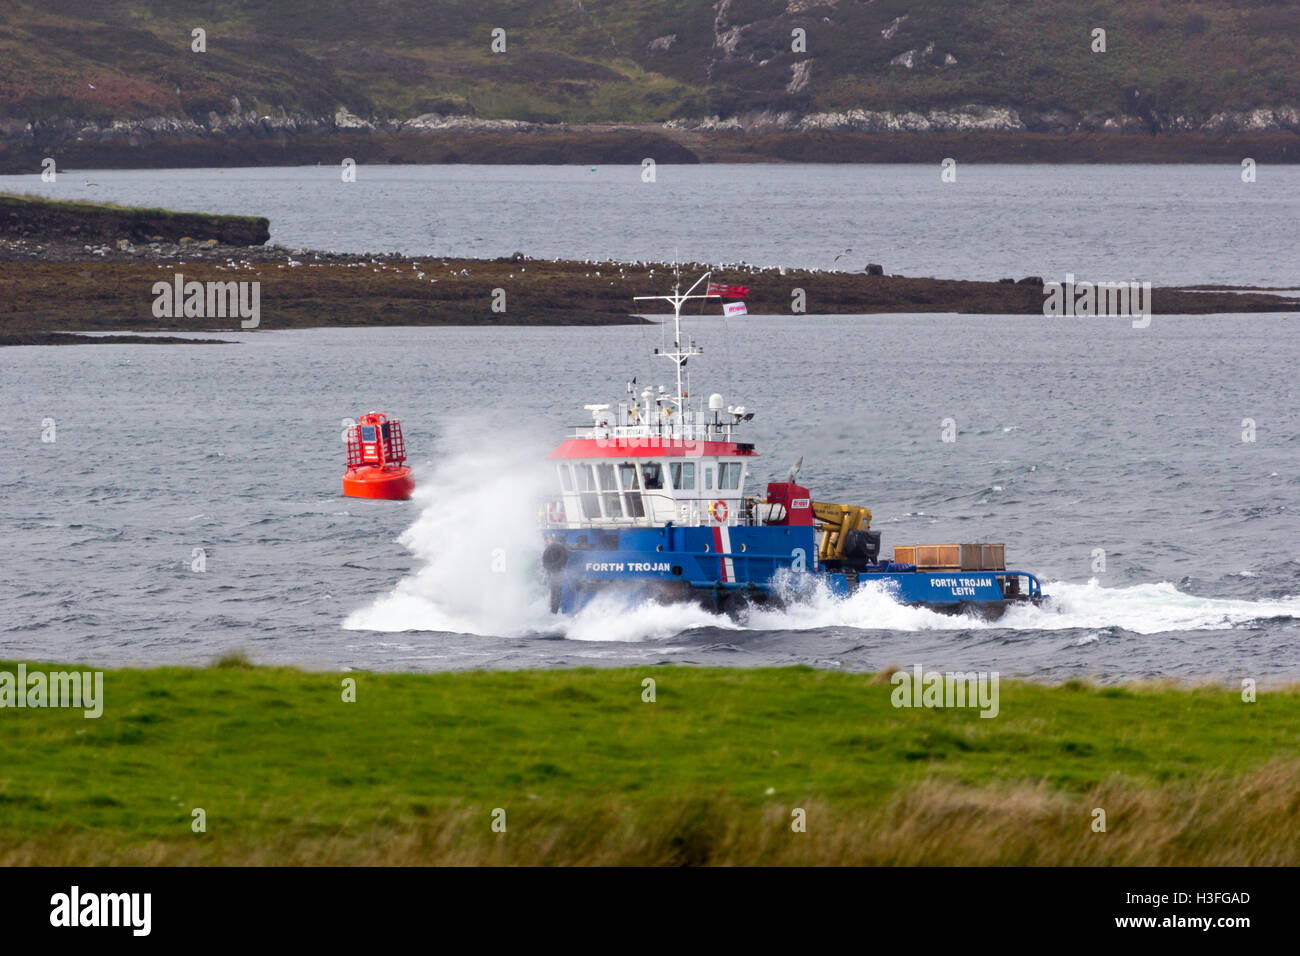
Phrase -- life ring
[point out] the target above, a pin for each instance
(718, 510)
(555, 512)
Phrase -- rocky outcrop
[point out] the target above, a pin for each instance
(24, 217)
(235, 124)
(800, 74)
(892, 30)
(973, 118)
(105, 290)
(243, 137)
(923, 57)
(963, 119)
(469, 124)
(1251, 121)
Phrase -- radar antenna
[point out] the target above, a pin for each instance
(681, 353)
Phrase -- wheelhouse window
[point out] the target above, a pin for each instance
(566, 478)
(586, 480)
(683, 475)
(652, 476)
(729, 475)
(627, 477)
(609, 491)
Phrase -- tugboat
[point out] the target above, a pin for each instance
(654, 503)
(376, 453)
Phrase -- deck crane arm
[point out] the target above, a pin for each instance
(846, 534)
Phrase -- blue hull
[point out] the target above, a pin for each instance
(728, 567)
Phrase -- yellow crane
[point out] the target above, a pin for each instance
(846, 533)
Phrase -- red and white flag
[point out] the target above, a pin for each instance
(734, 308)
(728, 291)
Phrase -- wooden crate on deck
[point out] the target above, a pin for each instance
(952, 557)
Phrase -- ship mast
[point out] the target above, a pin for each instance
(680, 353)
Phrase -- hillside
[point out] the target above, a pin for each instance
(123, 71)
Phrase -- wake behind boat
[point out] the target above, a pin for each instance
(654, 504)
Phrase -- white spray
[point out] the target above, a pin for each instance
(477, 539)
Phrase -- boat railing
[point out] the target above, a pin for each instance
(642, 436)
(727, 507)
(1011, 587)
(633, 431)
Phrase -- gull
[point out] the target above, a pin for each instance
(841, 255)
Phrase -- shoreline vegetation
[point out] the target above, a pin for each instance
(589, 772)
(618, 143)
(72, 267)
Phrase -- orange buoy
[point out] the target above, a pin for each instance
(375, 455)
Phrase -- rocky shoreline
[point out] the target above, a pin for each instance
(970, 118)
(30, 217)
(71, 268)
(55, 286)
(972, 133)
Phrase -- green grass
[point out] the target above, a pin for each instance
(286, 771)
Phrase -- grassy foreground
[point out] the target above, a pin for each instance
(589, 773)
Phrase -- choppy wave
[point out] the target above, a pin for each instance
(1140, 609)
(1145, 609)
